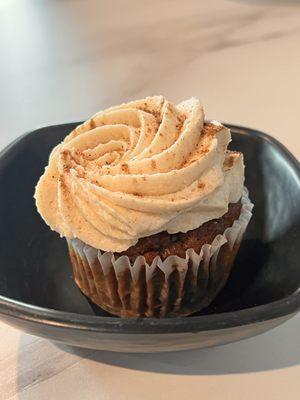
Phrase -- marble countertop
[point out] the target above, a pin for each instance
(62, 61)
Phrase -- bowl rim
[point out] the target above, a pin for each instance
(258, 314)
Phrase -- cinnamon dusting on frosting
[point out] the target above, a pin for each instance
(125, 168)
(151, 166)
(229, 162)
(92, 123)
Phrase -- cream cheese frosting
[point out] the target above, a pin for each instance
(138, 169)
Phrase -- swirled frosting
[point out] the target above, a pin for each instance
(138, 169)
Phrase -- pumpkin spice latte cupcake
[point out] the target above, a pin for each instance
(152, 205)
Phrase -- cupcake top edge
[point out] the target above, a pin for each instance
(138, 169)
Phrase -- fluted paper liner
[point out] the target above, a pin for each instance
(173, 287)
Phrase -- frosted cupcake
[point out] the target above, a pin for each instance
(152, 205)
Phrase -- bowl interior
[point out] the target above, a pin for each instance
(34, 264)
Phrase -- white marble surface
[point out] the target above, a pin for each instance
(64, 60)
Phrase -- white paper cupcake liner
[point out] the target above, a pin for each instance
(173, 287)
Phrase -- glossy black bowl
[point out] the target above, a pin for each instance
(38, 295)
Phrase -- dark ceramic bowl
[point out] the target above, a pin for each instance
(38, 295)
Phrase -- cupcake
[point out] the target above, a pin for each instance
(152, 205)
